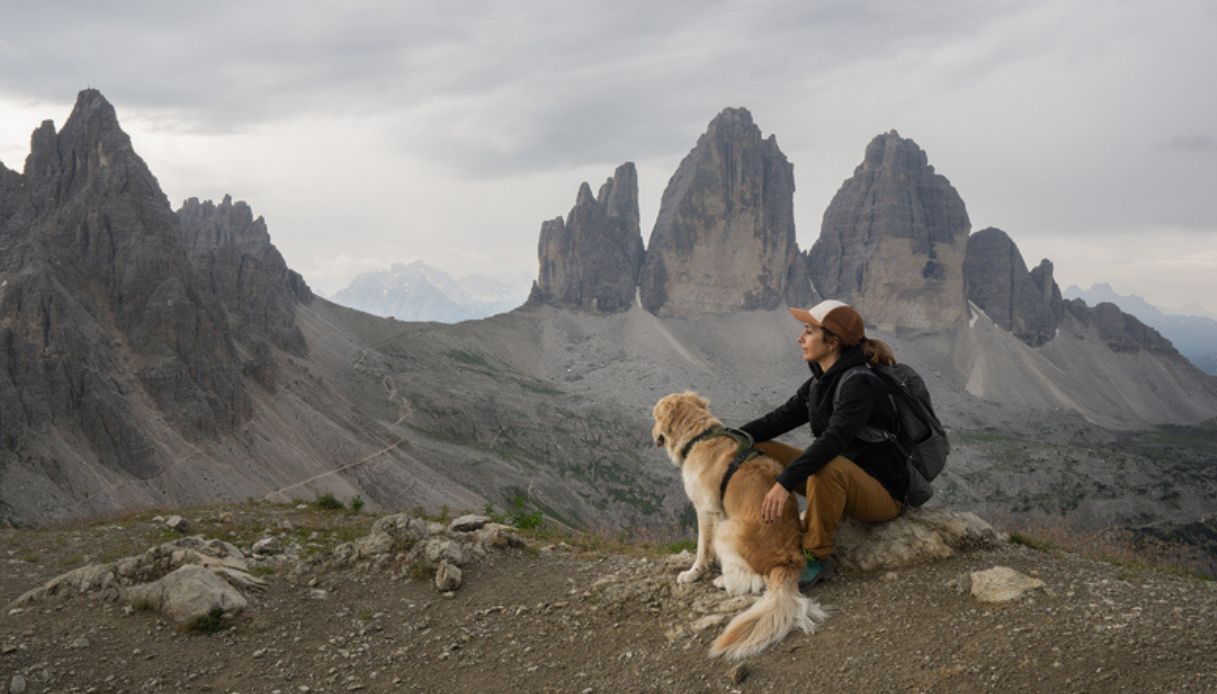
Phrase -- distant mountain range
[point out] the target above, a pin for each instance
(419, 292)
(1194, 336)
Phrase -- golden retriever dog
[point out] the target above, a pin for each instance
(754, 555)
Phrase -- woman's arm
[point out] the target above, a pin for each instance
(857, 398)
(781, 420)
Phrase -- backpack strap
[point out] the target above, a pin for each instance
(869, 434)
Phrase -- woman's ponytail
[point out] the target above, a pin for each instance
(878, 352)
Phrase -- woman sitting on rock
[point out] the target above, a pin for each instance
(841, 474)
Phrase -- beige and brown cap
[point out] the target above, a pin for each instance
(837, 317)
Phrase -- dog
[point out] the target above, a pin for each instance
(754, 555)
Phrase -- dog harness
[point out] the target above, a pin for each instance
(744, 451)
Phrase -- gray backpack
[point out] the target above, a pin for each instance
(919, 436)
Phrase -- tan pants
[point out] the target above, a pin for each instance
(839, 489)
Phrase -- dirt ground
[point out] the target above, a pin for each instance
(588, 616)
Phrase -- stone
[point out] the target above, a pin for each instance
(17, 684)
(1120, 331)
(1002, 584)
(447, 577)
(893, 240)
(177, 523)
(918, 535)
(374, 544)
(591, 260)
(738, 674)
(468, 523)
(268, 545)
(709, 621)
(189, 593)
(438, 549)
(724, 240)
(1000, 285)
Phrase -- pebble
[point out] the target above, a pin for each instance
(738, 674)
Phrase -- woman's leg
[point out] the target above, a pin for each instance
(841, 488)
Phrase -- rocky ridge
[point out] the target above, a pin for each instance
(999, 284)
(893, 240)
(571, 613)
(724, 239)
(591, 260)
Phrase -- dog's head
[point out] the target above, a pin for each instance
(676, 417)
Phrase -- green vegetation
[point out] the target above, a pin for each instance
(327, 502)
(468, 358)
(357, 503)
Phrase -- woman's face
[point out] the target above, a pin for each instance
(815, 344)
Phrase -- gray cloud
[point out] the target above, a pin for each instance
(1193, 144)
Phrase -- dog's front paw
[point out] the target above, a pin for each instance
(691, 575)
(720, 582)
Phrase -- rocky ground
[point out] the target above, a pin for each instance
(578, 614)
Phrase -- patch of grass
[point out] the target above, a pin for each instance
(357, 503)
(1032, 542)
(210, 623)
(679, 546)
(469, 358)
(263, 570)
(327, 502)
(421, 571)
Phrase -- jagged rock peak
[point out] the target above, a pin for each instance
(1000, 285)
(1044, 280)
(893, 240)
(724, 240)
(233, 252)
(1122, 332)
(590, 261)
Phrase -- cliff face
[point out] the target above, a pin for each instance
(591, 260)
(893, 240)
(232, 252)
(99, 307)
(724, 240)
(1000, 285)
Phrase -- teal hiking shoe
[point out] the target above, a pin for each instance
(816, 570)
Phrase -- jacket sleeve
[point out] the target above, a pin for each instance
(786, 417)
(858, 397)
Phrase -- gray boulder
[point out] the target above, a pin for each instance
(1002, 584)
(189, 593)
(918, 535)
(447, 577)
(591, 260)
(724, 240)
(893, 240)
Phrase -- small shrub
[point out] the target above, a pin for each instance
(679, 546)
(209, 623)
(357, 503)
(521, 517)
(327, 502)
(421, 571)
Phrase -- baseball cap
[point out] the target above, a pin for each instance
(837, 317)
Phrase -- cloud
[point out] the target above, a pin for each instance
(1192, 144)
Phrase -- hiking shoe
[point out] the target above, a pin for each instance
(817, 570)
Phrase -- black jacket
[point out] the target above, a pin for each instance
(864, 401)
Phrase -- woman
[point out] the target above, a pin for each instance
(841, 474)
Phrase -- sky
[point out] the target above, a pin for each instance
(370, 133)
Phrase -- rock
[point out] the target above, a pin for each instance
(1000, 285)
(1042, 277)
(438, 549)
(447, 577)
(268, 545)
(374, 544)
(1002, 584)
(724, 240)
(708, 622)
(403, 528)
(468, 523)
(918, 535)
(893, 240)
(189, 593)
(591, 260)
(1120, 331)
(497, 536)
(16, 685)
(177, 523)
(738, 674)
(240, 579)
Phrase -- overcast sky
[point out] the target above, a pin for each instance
(369, 133)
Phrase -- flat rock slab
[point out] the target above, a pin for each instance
(187, 594)
(468, 524)
(1002, 584)
(916, 536)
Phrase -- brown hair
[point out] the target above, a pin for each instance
(878, 352)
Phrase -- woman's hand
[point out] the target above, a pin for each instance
(775, 501)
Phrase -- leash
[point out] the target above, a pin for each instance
(744, 451)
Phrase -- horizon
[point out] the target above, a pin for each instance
(384, 135)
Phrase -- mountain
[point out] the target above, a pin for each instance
(419, 292)
(1194, 336)
(893, 240)
(591, 260)
(1000, 285)
(724, 240)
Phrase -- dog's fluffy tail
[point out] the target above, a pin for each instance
(779, 610)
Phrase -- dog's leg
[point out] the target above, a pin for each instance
(706, 523)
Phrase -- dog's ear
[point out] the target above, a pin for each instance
(695, 400)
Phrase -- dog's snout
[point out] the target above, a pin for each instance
(659, 441)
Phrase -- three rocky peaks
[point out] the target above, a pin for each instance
(895, 241)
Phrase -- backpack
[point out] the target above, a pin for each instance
(919, 436)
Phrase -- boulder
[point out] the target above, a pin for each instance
(1002, 584)
(918, 535)
(189, 593)
(178, 524)
(468, 523)
(724, 240)
(447, 577)
(893, 239)
(268, 545)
